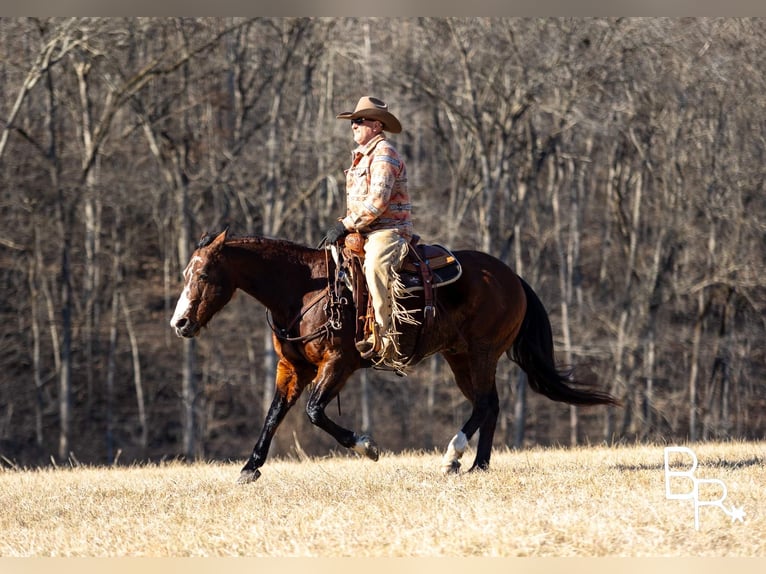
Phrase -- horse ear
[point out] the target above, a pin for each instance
(219, 240)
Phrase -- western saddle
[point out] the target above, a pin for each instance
(425, 268)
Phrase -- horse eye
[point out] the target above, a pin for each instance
(203, 276)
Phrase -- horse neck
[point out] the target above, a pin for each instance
(277, 273)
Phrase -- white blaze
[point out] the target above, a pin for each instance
(184, 300)
(181, 307)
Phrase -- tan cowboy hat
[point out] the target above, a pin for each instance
(373, 109)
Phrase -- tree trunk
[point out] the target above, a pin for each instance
(694, 367)
(520, 410)
(563, 248)
(34, 292)
(111, 368)
(137, 378)
(65, 376)
(64, 227)
(91, 218)
(520, 401)
(649, 378)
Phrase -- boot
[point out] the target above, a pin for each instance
(366, 347)
(369, 346)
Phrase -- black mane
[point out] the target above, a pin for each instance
(283, 244)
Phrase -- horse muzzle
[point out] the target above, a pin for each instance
(185, 328)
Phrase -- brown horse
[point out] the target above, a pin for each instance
(489, 311)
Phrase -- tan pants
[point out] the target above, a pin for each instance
(384, 252)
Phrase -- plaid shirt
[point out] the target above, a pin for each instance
(376, 190)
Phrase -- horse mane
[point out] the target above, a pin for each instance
(290, 248)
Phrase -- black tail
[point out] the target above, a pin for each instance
(533, 351)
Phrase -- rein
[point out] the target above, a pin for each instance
(282, 333)
(333, 322)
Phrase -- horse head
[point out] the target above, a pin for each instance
(207, 287)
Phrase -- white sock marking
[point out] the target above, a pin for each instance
(456, 448)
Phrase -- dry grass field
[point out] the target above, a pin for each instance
(584, 502)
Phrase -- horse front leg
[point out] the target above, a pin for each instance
(289, 385)
(329, 383)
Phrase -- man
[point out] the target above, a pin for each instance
(377, 206)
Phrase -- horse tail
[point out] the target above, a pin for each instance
(533, 352)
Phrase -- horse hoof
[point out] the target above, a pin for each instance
(451, 467)
(367, 447)
(248, 476)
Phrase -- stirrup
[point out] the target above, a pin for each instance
(367, 347)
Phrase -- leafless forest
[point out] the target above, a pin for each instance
(616, 164)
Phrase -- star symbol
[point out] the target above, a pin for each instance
(737, 514)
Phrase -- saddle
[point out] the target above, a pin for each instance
(426, 265)
(425, 268)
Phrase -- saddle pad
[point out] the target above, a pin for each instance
(444, 266)
(437, 257)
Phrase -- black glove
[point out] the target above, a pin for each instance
(335, 232)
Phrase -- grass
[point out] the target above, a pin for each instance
(584, 502)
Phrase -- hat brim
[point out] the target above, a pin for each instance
(389, 121)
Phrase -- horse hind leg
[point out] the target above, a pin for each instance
(484, 419)
(455, 451)
(478, 386)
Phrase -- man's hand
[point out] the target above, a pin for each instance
(335, 232)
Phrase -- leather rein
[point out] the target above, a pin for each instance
(333, 322)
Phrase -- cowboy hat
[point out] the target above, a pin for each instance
(373, 109)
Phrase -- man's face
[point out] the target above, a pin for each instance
(364, 130)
